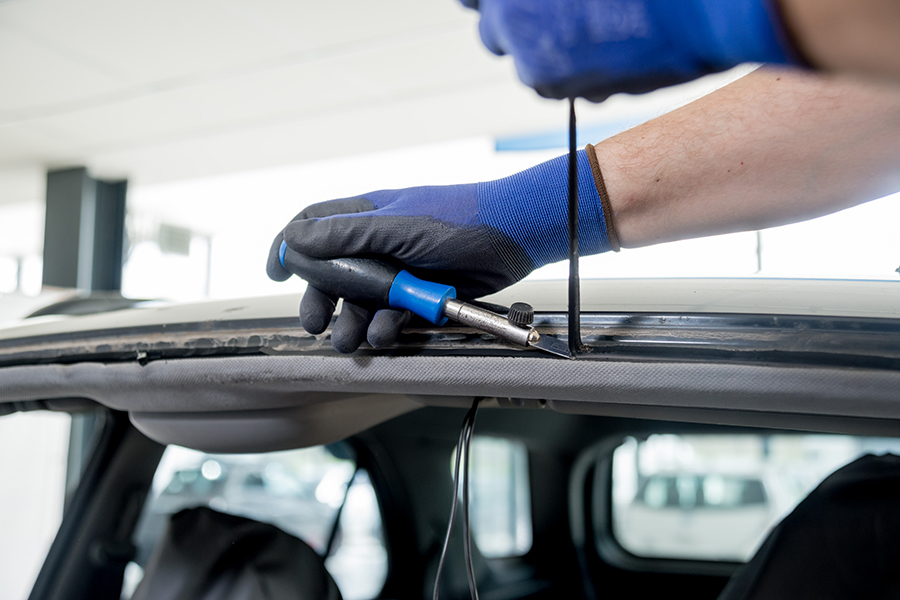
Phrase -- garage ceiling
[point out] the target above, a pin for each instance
(175, 89)
(179, 88)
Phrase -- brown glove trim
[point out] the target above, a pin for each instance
(604, 199)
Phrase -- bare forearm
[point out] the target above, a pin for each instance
(774, 147)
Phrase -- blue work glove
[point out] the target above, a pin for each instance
(594, 48)
(479, 238)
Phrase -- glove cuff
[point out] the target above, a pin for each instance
(604, 199)
(531, 209)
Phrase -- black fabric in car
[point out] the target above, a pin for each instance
(842, 541)
(208, 555)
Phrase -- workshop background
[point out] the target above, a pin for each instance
(211, 123)
(226, 117)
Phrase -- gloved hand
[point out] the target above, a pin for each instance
(594, 48)
(479, 238)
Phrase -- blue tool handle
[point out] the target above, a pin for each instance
(369, 281)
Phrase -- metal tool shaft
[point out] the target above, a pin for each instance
(485, 320)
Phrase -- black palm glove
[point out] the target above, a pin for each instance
(479, 238)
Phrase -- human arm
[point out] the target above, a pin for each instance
(478, 238)
(774, 147)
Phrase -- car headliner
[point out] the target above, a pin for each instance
(240, 375)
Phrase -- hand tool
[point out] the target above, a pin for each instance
(370, 281)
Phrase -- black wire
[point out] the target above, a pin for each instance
(453, 505)
(467, 533)
(462, 448)
(575, 345)
(337, 517)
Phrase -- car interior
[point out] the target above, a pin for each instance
(721, 432)
(572, 548)
(678, 455)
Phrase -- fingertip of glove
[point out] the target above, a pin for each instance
(316, 309)
(385, 327)
(488, 38)
(313, 322)
(345, 343)
(381, 339)
(349, 330)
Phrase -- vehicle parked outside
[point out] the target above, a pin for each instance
(687, 515)
(716, 497)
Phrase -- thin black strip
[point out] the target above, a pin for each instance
(776, 339)
(575, 345)
(467, 531)
(453, 506)
(336, 523)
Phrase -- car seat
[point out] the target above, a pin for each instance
(842, 541)
(208, 555)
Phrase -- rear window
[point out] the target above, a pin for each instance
(500, 497)
(316, 494)
(716, 497)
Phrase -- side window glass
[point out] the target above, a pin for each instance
(716, 497)
(500, 497)
(303, 492)
(34, 457)
(358, 560)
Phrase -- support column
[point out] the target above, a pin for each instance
(84, 231)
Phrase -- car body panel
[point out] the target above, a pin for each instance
(242, 375)
(822, 297)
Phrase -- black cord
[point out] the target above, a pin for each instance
(467, 533)
(453, 505)
(575, 345)
(462, 447)
(337, 517)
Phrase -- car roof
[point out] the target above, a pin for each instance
(241, 375)
(810, 297)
